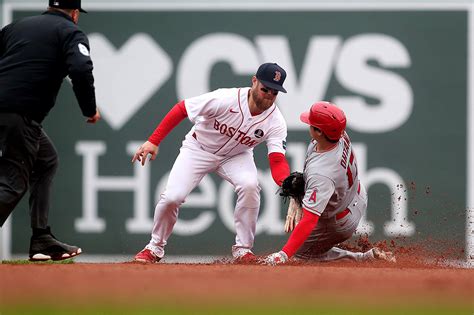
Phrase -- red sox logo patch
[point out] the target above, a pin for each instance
(258, 133)
(277, 77)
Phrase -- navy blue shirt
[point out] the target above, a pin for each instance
(36, 54)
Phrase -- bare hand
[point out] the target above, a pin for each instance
(144, 150)
(95, 118)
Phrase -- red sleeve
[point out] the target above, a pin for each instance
(279, 167)
(171, 120)
(301, 232)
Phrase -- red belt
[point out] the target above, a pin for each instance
(345, 212)
(342, 214)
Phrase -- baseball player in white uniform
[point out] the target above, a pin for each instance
(334, 200)
(228, 124)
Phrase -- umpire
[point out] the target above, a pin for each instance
(36, 54)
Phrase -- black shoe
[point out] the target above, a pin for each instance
(45, 247)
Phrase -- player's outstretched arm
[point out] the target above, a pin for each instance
(144, 150)
(279, 167)
(297, 238)
(171, 120)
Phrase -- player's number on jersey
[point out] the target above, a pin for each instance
(351, 170)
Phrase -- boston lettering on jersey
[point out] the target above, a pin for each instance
(231, 131)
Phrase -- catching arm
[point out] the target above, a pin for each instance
(279, 167)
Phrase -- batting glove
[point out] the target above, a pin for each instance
(276, 259)
(295, 212)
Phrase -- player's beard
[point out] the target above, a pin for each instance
(263, 102)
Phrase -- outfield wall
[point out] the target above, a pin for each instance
(401, 71)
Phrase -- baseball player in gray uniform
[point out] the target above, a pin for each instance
(228, 124)
(334, 200)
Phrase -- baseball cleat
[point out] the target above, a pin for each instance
(243, 255)
(146, 256)
(46, 247)
(247, 258)
(382, 255)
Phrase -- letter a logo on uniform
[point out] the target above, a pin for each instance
(313, 196)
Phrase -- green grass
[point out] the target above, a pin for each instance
(27, 262)
(232, 309)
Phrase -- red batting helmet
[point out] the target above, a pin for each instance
(327, 117)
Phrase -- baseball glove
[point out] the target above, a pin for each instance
(293, 188)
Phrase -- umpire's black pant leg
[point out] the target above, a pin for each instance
(12, 189)
(41, 180)
(18, 145)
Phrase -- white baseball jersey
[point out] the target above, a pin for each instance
(224, 126)
(221, 141)
(331, 179)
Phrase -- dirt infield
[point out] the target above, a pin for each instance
(408, 286)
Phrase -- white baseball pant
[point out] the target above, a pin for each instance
(191, 165)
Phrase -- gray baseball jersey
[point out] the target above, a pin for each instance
(331, 180)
